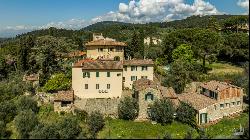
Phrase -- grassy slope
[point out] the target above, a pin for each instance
(130, 129)
(223, 68)
(226, 126)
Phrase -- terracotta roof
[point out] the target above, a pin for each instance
(198, 101)
(138, 62)
(144, 83)
(217, 86)
(105, 42)
(99, 64)
(168, 92)
(64, 96)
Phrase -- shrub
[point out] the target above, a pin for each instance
(45, 132)
(2, 129)
(26, 103)
(167, 136)
(69, 128)
(188, 135)
(25, 122)
(81, 114)
(128, 109)
(186, 114)
(57, 82)
(7, 111)
(162, 111)
(95, 123)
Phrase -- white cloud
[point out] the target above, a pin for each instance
(138, 11)
(244, 4)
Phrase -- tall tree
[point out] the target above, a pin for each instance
(207, 43)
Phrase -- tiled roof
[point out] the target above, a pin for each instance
(144, 83)
(168, 92)
(138, 62)
(89, 64)
(216, 85)
(64, 96)
(105, 42)
(198, 101)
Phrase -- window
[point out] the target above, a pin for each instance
(203, 118)
(233, 103)
(133, 78)
(144, 68)
(213, 95)
(86, 86)
(119, 74)
(133, 68)
(146, 77)
(215, 107)
(227, 105)
(149, 96)
(97, 86)
(86, 74)
(100, 49)
(97, 74)
(125, 68)
(221, 105)
(123, 79)
(111, 49)
(238, 102)
(65, 103)
(108, 74)
(108, 86)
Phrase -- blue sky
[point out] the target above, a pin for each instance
(26, 15)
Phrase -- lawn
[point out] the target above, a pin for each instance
(223, 68)
(225, 127)
(121, 129)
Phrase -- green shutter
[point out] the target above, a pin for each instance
(145, 97)
(89, 74)
(108, 74)
(200, 118)
(152, 97)
(97, 74)
(205, 117)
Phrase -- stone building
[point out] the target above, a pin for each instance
(214, 100)
(147, 92)
(63, 101)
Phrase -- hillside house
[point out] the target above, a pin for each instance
(105, 48)
(155, 41)
(214, 100)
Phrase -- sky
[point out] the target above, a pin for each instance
(18, 16)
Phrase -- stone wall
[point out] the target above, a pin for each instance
(59, 108)
(106, 106)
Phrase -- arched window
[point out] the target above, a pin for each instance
(149, 96)
(117, 58)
